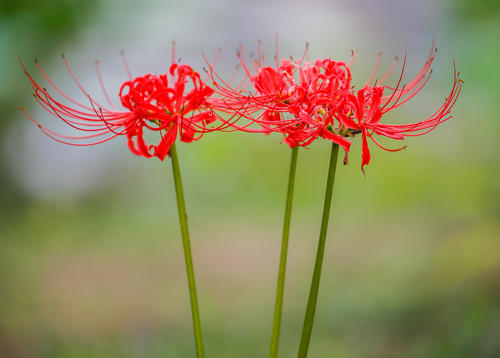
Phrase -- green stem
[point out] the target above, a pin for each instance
(181, 206)
(313, 292)
(280, 287)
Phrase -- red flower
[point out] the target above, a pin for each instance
(305, 101)
(171, 104)
(293, 98)
(362, 111)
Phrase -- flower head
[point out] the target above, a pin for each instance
(362, 111)
(291, 98)
(305, 101)
(172, 104)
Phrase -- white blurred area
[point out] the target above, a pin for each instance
(145, 31)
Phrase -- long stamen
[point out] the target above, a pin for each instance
(101, 82)
(374, 70)
(66, 63)
(352, 60)
(388, 71)
(172, 59)
(125, 64)
(277, 51)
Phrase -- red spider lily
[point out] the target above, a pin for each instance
(161, 103)
(293, 98)
(318, 101)
(362, 111)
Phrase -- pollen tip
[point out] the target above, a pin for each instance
(96, 62)
(21, 108)
(36, 61)
(122, 52)
(173, 42)
(396, 58)
(379, 53)
(63, 55)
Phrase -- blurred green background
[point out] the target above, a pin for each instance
(90, 255)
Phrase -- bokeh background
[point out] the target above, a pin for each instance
(90, 255)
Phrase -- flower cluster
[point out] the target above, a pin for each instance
(305, 101)
(303, 92)
(299, 99)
